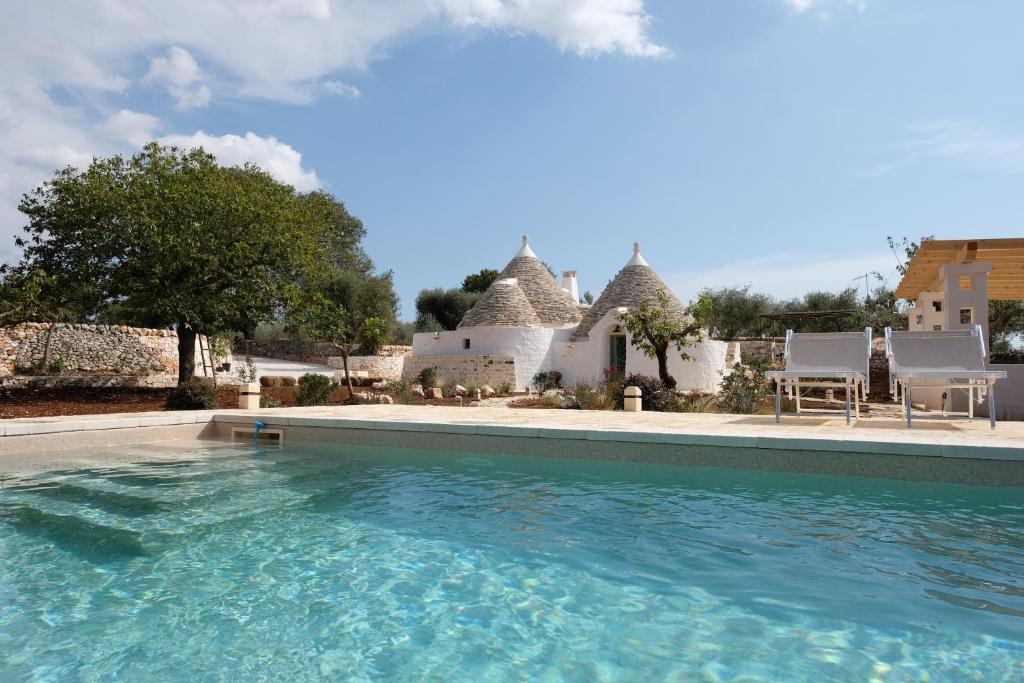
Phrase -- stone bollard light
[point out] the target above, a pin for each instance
(249, 396)
(632, 403)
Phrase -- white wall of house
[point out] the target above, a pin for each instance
(540, 348)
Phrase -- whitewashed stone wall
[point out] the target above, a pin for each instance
(90, 348)
(581, 362)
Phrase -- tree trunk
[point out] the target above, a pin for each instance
(348, 377)
(186, 353)
(662, 354)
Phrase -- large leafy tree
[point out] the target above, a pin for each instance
(736, 312)
(442, 308)
(170, 238)
(654, 329)
(479, 282)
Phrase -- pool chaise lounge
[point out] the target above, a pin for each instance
(825, 360)
(940, 359)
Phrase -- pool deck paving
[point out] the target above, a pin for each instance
(930, 436)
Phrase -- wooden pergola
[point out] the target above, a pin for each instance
(1005, 282)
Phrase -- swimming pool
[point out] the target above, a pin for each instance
(384, 564)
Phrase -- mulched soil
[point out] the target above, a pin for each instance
(19, 403)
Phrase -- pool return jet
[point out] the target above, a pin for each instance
(825, 360)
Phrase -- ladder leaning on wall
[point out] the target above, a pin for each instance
(206, 356)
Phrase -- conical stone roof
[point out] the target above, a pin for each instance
(636, 282)
(551, 304)
(504, 305)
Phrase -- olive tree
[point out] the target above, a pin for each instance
(654, 328)
(172, 238)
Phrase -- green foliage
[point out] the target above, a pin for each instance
(736, 312)
(402, 333)
(504, 388)
(1006, 326)
(195, 245)
(192, 395)
(56, 367)
(269, 402)
(587, 298)
(372, 336)
(694, 402)
(428, 377)
(246, 371)
(479, 282)
(656, 397)
(445, 306)
(366, 297)
(746, 388)
(547, 380)
(586, 397)
(653, 328)
(448, 389)
(315, 390)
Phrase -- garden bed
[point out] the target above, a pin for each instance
(52, 402)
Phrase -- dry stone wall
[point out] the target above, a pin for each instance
(375, 367)
(479, 370)
(83, 348)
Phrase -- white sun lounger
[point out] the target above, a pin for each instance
(825, 359)
(942, 359)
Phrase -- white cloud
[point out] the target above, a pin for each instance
(280, 160)
(180, 75)
(339, 88)
(581, 26)
(284, 50)
(787, 274)
(970, 144)
(135, 128)
(821, 6)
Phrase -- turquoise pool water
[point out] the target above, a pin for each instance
(379, 564)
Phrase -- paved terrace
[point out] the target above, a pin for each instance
(929, 436)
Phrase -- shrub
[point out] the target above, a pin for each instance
(315, 390)
(655, 395)
(693, 402)
(448, 389)
(192, 395)
(56, 366)
(504, 388)
(372, 336)
(585, 397)
(545, 381)
(428, 377)
(269, 402)
(277, 381)
(746, 387)
(246, 372)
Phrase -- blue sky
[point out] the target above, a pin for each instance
(770, 142)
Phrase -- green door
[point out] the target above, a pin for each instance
(618, 353)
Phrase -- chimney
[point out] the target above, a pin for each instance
(569, 284)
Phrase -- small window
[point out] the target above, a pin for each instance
(465, 343)
(937, 305)
(966, 316)
(937, 328)
(919, 319)
(966, 284)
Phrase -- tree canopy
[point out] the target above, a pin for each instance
(479, 282)
(653, 329)
(169, 237)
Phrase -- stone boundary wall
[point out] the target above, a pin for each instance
(314, 352)
(375, 367)
(161, 381)
(478, 370)
(116, 349)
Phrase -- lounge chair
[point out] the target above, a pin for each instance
(825, 360)
(942, 359)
